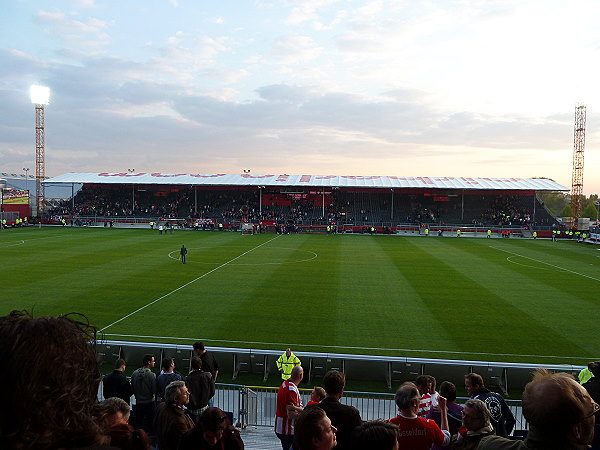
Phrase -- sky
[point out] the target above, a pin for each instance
(463, 88)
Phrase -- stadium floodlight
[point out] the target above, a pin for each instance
(40, 96)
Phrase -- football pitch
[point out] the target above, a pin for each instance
(436, 297)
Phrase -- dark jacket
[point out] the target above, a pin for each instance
(116, 384)
(502, 417)
(201, 387)
(170, 423)
(344, 417)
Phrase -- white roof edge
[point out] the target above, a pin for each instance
(321, 181)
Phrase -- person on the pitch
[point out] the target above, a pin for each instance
(183, 253)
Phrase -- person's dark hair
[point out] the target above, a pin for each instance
(213, 419)
(553, 402)
(196, 363)
(375, 435)
(594, 367)
(124, 437)
(120, 363)
(406, 393)
(166, 363)
(199, 346)
(50, 401)
(475, 379)
(422, 380)
(448, 390)
(146, 359)
(307, 427)
(334, 382)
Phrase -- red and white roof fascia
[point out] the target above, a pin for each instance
(284, 180)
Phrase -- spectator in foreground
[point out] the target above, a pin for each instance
(476, 425)
(560, 412)
(502, 417)
(417, 433)
(289, 405)
(201, 387)
(314, 430)
(143, 384)
(170, 421)
(343, 417)
(213, 431)
(375, 435)
(316, 395)
(113, 416)
(448, 390)
(51, 387)
(593, 388)
(116, 383)
(166, 376)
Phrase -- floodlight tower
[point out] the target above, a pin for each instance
(577, 177)
(40, 96)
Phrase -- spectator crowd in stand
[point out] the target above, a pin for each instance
(51, 403)
(337, 207)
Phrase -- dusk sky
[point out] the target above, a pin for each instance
(467, 88)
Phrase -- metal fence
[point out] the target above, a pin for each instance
(257, 404)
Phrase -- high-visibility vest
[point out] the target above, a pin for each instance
(285, 365)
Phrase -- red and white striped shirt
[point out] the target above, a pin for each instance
(288, 393)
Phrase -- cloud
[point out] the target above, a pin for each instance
(90, 33)
(295, 49)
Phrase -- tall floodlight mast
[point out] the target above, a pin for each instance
(577, 178)
(40, 96)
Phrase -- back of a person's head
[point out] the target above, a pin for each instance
(213, 419)
(124, 437)
(166, 363)
(375, 435)
(51, 381)
(320, 392)
(199, 346)
(481, 410)
(196, 363)
(406, 393)
(448, 390)
(553, 402)
(422, 380)
(308, 426)
(120, 363)
(595, 368)
(334, 382)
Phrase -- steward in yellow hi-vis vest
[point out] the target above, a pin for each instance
(286, 363)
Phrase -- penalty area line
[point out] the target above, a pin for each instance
(186, 284)
(548, 264)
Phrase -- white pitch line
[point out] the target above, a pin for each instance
(342, 347)
(187, 284)
(548, 264)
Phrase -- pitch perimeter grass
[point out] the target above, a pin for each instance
(459, 298)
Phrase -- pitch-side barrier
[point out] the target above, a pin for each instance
(390, 370)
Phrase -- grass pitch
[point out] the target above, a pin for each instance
(481, 299)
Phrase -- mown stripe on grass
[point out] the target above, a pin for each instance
(465, 300)
(527, 290)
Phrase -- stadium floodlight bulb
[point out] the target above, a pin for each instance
(40, 95)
